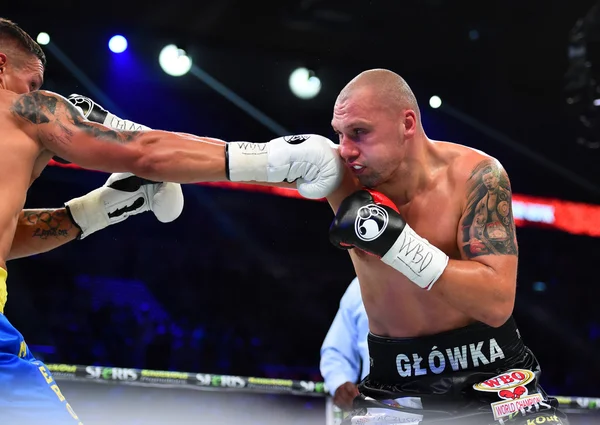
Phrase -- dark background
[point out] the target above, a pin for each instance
(247, 283)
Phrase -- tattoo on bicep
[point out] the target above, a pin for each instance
(46, 108)
(488, 226)
(48, 223)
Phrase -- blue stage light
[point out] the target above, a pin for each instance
(117, 44)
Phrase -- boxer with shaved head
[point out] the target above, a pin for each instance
(430, 230)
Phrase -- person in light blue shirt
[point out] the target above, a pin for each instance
(344, 353)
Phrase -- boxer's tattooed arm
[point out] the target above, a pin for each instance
(42, 107)
(48, 223)
(487, 225)
(42, 230)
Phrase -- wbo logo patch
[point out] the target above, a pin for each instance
(509, 380)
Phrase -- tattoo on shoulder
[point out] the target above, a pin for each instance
(41, 107)
(35, 108)
(488, 226)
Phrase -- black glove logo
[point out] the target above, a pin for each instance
(296, 140)
(82, 103)
(137, 204)
(371, 221)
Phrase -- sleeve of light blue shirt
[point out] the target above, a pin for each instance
(340, 358)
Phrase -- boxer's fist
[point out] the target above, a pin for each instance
(310, 160)
(370, 221)
(367, 220)
(122, 196)
(96, 113)
(88, 108)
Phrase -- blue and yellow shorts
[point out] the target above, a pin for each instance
(28, 392)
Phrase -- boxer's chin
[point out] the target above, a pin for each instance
(369, 180)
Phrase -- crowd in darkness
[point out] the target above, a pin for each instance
(235, 335)
(253, 292)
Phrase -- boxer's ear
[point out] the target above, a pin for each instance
(3, 60)
(409, 122)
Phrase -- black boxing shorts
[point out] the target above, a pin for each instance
(473, 375)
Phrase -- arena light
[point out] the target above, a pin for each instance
(304, 83)
(117, 44)
(174, 61)
(43, 38)
(474, 35)
(435, 102)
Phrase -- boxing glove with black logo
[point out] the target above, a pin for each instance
(309, 160)
(370, 221)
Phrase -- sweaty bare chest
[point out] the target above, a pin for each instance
(435, 219)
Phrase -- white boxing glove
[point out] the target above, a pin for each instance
(310, 160)
(122, 196)
(96, 113)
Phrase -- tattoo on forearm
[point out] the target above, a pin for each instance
(488, 225)
(47, 224)
(46, 108)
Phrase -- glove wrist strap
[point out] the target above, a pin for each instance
(87, 213)
(117, 123)
(246, 161)
(416, 258)
(68, 209)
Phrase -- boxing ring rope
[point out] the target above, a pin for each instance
(233, 383)
(572, 217)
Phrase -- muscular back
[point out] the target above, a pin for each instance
(445, 214)
(22, 159)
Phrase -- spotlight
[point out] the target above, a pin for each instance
(174, 61)
(117, 44)
(43, 38)
(474, 35)
(435, 102)
(304, 84)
